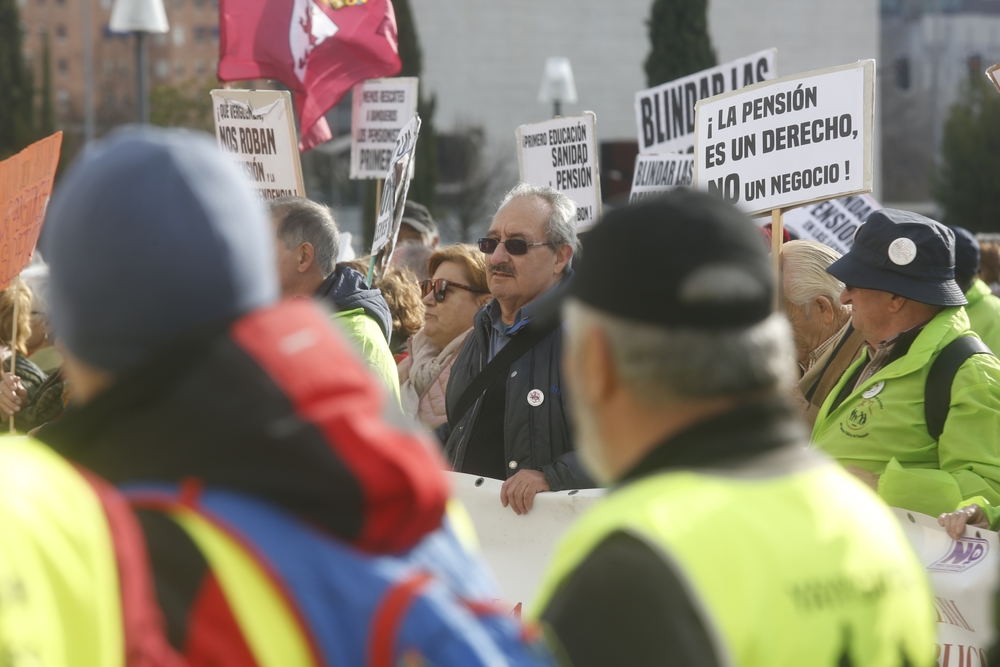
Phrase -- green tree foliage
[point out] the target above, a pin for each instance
(188, 104)
(47, 113)
(679, 41)
(425, 175)
(17, 106)
(967, 184)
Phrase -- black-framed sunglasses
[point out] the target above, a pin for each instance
(514, 246)
(440, 288)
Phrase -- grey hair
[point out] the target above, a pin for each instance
(305, 221)
(560, 228)
(661, 364)
(804, 264)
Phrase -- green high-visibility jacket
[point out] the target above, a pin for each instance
(368, 339)
(795, 566)
(60, 602)
(880, 426)
(983, 310)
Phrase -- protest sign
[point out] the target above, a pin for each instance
(963, 576)
(789, 142)
(664, 115)
(562, 153)
(380, 109)
(256, 128)
(25, 187)
(992, 74)
(397, 184)
(519, 548)
(832, 222)
(660, 173)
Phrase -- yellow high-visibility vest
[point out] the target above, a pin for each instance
(805, 568)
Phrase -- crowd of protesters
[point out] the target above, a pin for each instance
(240, 442)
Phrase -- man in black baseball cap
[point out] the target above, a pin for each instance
(418, 226)
(918, 415)
(679, 375)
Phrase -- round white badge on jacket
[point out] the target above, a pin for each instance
(873, 390)
(535, 398)
(902, 251)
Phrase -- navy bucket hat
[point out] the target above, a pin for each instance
(905, 254)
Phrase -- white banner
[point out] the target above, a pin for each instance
(380, 109)
(518, 548)
(395, 187)
(832, 222)
(256, 128)
(963, 578)
(562, 153)
(791, 141)
(664, 115)
(660, 173)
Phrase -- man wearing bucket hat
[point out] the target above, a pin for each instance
(918, 415)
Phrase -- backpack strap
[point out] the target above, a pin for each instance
(937, 390)
(389, 615)
(515, 348)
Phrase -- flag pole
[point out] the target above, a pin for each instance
(777, 236)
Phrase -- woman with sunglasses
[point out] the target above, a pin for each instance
(456, 290)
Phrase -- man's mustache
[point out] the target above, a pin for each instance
(505, 269)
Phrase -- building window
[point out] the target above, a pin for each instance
(199, 4)
(903, 73)
(63, 66)
(61, 31)
(178, 35)
(199, 68)
(106, 5)
(199, 34)
(62, 99)
(61, 3)
(179, 68)
(162, 68)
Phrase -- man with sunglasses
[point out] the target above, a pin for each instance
(917, 416)
(506, 413)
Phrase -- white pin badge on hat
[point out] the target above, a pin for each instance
(902, 251)
(535, 398)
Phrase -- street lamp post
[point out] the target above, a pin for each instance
(557, 84)
(140, 17)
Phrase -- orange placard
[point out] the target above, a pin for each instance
(25, 187)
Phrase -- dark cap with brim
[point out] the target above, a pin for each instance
(905, 254)
(684, 259)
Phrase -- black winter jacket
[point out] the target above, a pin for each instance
(535, 438)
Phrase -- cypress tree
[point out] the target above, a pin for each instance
(47, 115)
(679, 41)
(966, 181)
(16, 112)
(425, 173)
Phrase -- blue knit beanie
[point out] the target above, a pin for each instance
(151, 235)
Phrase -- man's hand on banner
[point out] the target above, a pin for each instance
(12, 395)
(519, 491)
(955, 522)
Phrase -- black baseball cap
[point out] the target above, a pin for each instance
(684, 259)
(417, 216)
(903, 253)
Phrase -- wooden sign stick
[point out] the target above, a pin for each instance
(378, 204)
(777, 236)
(13, 340)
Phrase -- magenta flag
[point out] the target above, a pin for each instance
(318, 48)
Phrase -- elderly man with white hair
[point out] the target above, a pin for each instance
(507, 412)
(825, 342)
